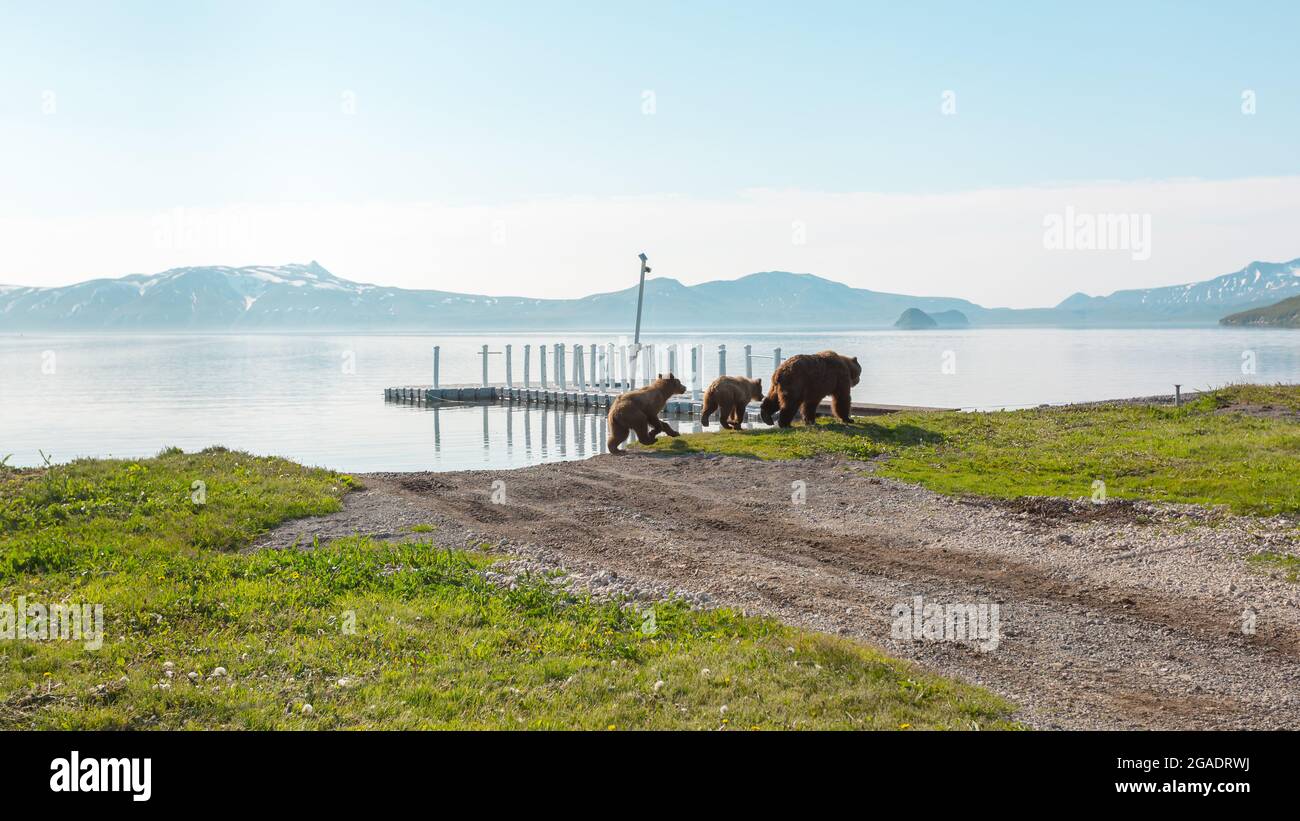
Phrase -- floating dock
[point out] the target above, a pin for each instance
(600, 373)
(590, 400)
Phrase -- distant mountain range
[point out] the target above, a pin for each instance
(308, 297)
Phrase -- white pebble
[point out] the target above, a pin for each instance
(306, 709)
(659, 685)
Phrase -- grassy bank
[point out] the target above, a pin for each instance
(374, 635)
(1239, 446)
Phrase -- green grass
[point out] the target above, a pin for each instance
(1199, 453)
(1287, 563)
(379, 635)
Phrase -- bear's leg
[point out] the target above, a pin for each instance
(737, 415)
(709, 407)
(842, 404)
(789, 407)
(810, 410)
(643, 433)
(661, 426)
(617, 435)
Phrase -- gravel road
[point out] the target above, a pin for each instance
(1114, 616)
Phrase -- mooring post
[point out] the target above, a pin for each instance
(528, 352)
(609, 366)
(697, 371)
(559, 365)
(594, 381)
(722, 360)
(1178, 396)
(776, 358)
(510, 377)
(749, 361)
(436, 350)
(672, 359)
(541, 360)
(485, 363)
(579, 378)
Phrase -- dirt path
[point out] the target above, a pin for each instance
(1119, 616)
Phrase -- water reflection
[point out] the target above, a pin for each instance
(500, 436)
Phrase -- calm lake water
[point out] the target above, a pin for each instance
(319, 399)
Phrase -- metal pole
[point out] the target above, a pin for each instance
(485, 360)
(640, 297)
(559, 365)
(510, 377)
(722, 360)
(528, 353)
(436, 351)
(579, 378)
(1178, 396)
(749, 361)
(541, 360)
(776, 358)
(594, 380)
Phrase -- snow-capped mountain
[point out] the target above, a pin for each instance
(308, 297)
(1259, 283)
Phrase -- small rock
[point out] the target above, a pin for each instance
(220, 672)
(307, 709)
(659, 685)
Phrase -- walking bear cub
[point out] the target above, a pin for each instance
(802, 382)
(730, 395)
(639, 411)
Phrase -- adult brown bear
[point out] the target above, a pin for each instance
(802, 382)
(729, 396)
(639, 410)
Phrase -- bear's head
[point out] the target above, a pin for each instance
(756, 389)
(855, 370)
(672, 383)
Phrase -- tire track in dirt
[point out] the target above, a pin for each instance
(1107, 620)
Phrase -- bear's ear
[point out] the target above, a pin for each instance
(855, 359)
(659, 376)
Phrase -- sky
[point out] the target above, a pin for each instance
(535, 149)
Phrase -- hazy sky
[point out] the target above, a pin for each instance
(535, 148)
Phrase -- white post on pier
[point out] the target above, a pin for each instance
(510, 377)
(625, 365)
(749, 361)
(722, 360)
(594, 380)
(776, 359)
(436, 350)
(559, 365)
(609, 366)
(541, 359)
(579, 378)
(528, 353)
(485, 365)
(697, 371)
(672, 359)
